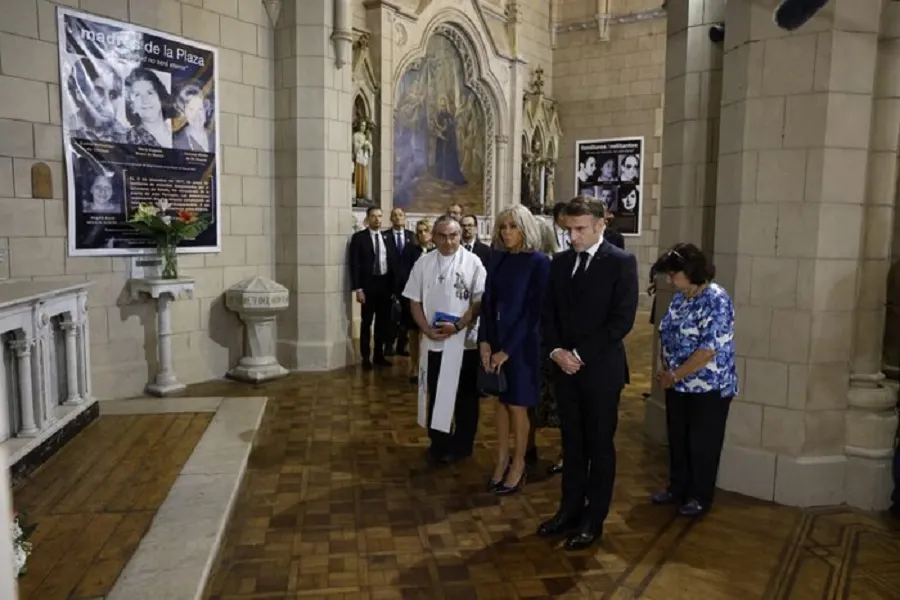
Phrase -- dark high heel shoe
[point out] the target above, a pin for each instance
(509, 490)
(493, 484)
(555, 469)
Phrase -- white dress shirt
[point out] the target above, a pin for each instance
(380, 251)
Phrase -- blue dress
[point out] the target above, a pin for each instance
(511, 320)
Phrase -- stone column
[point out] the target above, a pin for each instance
(314, 108)
(25, 380)
(690, 151)
(70, 330)
(871, 418)
(795, 121)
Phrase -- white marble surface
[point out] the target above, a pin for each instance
(176, 556)
(23, 292)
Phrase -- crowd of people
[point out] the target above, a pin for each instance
(537, 319)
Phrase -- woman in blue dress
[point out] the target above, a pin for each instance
(509, 335)
(699, 376)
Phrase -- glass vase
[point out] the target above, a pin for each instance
(168, 254)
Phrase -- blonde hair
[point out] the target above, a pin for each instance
(525, 222)
(548, 238)
(427, 224)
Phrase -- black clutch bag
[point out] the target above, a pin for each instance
(491, 384)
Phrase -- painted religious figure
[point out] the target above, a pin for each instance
(439, 134)
(362, 157)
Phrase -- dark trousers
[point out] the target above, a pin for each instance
(588, 418)
(378, 307)
(465, 412)
(696, 428)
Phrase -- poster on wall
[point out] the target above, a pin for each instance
(139, 127)
(611, 170)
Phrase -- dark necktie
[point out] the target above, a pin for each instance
(400, 241)
(580, 270)
(378, 254)
(469, 247)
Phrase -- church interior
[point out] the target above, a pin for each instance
(209, 433)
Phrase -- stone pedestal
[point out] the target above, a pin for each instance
(257, 301)
(163, 292)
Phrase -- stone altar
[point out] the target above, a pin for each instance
(163, 292)
(257, 301)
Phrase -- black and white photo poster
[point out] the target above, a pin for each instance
(139, 127)
(612, 171)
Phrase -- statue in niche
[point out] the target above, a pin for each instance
(550, 181)
(362, 158)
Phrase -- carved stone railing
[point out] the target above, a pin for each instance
(46, 374)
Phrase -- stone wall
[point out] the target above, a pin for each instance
(609, 89)
(207, 339)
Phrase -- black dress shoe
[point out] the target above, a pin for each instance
(560, 524)
(366, 364)
(555, 469)
(586, 536)
(382, 362)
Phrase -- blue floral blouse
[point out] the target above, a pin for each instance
(704, 322)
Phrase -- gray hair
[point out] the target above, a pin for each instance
(525, 222)
(548, 238)
(444, 219)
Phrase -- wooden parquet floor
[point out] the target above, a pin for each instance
(338, 504)
(94, 500)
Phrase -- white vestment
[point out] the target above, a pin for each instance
(448, 285)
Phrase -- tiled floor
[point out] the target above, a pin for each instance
(338, 503)
(94, 500)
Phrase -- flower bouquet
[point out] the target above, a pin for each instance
(168, 228)
(21, 533)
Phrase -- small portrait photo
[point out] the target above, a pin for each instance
(102, 190)
(93, 94)
(629, 168)
(609, 168)
(196, 118)
(629, 197)
(607, 194)
(587, 166)
(149, 108)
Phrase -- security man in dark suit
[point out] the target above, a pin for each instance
(470, 241)
(399, 237)
(371, 278)
(591, 306)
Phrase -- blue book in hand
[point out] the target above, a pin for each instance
(442, 317)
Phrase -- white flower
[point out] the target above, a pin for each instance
(166, 219)
(164, 205)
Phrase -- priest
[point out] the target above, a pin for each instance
(444, 292)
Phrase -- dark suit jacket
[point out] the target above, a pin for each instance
(393, 251)
(482, 251)
(361, 259)
(592, 316)
(614, 237)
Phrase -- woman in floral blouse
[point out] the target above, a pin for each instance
(698, 374)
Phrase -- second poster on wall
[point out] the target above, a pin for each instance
(612, 170)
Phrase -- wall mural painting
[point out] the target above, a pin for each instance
(439, 135)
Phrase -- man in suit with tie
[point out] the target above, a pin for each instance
(372, 281)
(590, 308)
(562, 236)
(398, 238)
(470, 241)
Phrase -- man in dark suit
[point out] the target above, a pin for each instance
(591, 305)
(398, 238)
(611, 234)
(372, 281)
(470, 241)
